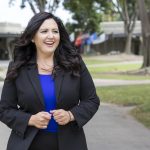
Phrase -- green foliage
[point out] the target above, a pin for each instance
(147, 2)
(86, 14)
(125, 8)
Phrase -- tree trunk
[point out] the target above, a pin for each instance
(128, 43)
(145, 21)
(9, 48)
(129, 24)
(146, 58)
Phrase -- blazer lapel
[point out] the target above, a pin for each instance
(58, 83)
(34, 79)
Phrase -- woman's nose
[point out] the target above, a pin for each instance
(50, 35)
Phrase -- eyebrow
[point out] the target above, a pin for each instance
(47, 28)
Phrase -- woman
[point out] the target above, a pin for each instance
(48, 94)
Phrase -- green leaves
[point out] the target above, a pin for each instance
(86, 14)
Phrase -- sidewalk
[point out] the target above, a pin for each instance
(111, 82)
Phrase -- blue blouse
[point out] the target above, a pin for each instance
(48, 89)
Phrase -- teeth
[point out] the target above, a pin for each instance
(49, 43)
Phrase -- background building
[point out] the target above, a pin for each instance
(8, 35)
(114, 38)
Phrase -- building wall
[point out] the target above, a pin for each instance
(8, 34)
(116, 45)
(3, 49)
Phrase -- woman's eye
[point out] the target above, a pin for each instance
(44, 31)
(56, 31)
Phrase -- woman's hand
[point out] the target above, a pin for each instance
(40, 120)
(61, 116)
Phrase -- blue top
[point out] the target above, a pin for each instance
(48, 88)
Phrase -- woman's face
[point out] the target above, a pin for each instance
(47, 37)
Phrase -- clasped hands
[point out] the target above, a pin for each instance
(41, 119)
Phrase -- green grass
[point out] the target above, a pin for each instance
(112, 71)
(141, 116)
(114, 68)
(129, 95)
(89, 61)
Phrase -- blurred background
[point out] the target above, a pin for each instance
(113, 37)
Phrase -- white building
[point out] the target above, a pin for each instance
(8, 35)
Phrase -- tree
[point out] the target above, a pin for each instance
(85, 13)
(145, 22)
(39, 5)
(128, 13)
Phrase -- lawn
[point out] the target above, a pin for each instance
(138, 95)
(133, 95)
(92, 61)
(112, 69)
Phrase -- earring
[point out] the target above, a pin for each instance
(32, 41)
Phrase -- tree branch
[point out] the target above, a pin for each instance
(117, 6)
(32, 6)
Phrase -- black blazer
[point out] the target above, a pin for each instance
(23, 97)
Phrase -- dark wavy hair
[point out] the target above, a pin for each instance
(65, 55)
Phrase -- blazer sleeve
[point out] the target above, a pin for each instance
(10, 114)
(89, 101)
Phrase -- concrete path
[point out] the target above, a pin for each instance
(112, 82)
(112, 128)
(4, 134)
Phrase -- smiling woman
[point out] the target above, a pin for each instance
(47, 38)
(51, 93)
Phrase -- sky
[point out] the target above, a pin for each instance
(15, 14)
